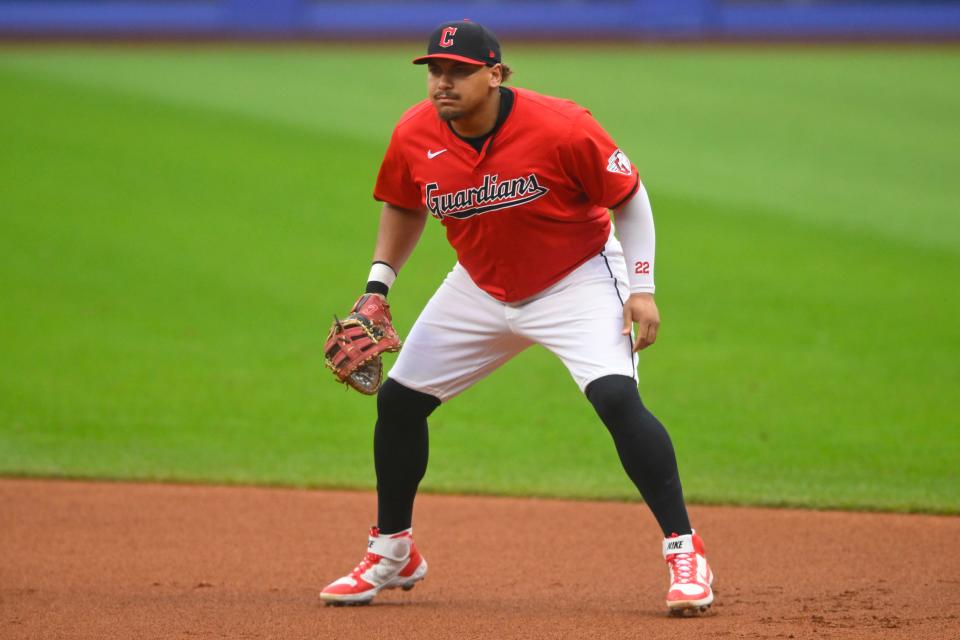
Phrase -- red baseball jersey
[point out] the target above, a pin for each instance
(530, 207)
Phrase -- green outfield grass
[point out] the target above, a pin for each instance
(177, 226)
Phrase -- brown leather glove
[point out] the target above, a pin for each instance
(354, 346)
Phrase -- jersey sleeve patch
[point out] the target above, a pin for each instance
(598, 164)
(618, 162)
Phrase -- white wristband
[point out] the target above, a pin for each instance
(382, 272)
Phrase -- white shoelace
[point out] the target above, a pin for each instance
(368, 561)
(683, 567)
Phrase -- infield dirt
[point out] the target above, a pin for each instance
(111, 560)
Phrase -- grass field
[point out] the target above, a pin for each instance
(177, 226)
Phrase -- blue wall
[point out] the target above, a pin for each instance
(370, 19)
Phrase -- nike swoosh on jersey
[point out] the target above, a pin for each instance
(433, 154)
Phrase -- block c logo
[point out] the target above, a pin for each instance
(446, 37)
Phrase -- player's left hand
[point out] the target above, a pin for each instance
(355, 344)
(641, 308)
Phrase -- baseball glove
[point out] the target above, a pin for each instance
(355, 344)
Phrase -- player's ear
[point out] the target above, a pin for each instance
(496, 75)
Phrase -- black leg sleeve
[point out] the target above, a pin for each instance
(644, 447)
(400, 448)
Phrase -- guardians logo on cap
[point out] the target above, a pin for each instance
(464, 41)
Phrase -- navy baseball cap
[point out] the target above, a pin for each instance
(464, 41)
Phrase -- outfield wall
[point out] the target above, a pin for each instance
(364, 19)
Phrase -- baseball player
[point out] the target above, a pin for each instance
(523, 183)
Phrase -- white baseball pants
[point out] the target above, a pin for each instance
(464, 334)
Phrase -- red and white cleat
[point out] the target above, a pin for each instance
(691, 580)
(391, 561)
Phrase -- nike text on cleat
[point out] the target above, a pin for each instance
(391, 561)
(691, 580)
(433, 154)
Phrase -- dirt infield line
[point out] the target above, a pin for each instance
(111, 560)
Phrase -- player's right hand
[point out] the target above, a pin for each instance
(641, 309)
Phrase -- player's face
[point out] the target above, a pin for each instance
(457, 89)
